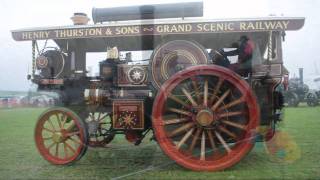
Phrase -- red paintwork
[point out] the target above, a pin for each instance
(213, 163)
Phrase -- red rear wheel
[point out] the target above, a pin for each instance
(205, 118)
(60, 136)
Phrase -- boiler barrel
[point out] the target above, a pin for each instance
(158, 11)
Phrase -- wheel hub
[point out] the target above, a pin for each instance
(205, 117)
(58, 137)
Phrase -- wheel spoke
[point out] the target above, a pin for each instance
(75, 141)
(51, 145)
(231, 104)
(205, 93)
(194, 140)
(52, 126)
(216, 90)
(196, 89)
(65, 117)
(73, 133)
(104, 116)
(177, 100)
(223, 142)
(59, 120)
(229, 114)
(176, 121)
(229, 133)
(221, 99)
(203, 147)
(179, 111)
(48, 138)
(181, 129)
(233, 124)
(99, 115)
(68, 146)
(185, 138)
(186, 93)
(57, 150)
(211, 140)
(49, 130)
(65, 150)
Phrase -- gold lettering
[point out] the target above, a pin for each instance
(285, 24)
(220, 27)
(250, 26)
(159, 29)
(279, 25)
(243, 26)
(206, 27)
(231, 27)
(269, 25)
(199, 27)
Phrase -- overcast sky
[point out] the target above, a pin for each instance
(301, 48)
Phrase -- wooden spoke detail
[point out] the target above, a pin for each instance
(179, 111)
(181, 129)
(233, 124)
(57, 150)
(65, 150)
(177, 100)
(51, 124)
(51, 145)
(71, 148)
(176, 121)
(194, 140)
(48, 138)
(231, 104)
(70, 134)
(188, 95)
(223, 142)
(229, 114)
(64, 120)
(185, 138)
(229, 133)
(75, 141)
(211, 139)
(196, 89)
(59, 120)
(49, 130)
(203, 147)
(220, 100)
(216, 90)
(205, 93)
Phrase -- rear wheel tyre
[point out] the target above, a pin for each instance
(205, 118)
(293, 100)
(61, 137)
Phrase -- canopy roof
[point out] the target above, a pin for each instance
(159, 28)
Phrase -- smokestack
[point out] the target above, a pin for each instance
(301, 75)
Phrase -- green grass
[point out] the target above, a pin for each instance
(19, 158)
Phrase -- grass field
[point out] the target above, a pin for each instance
(19, 158)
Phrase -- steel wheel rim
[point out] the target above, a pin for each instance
(201, 162)
(60, 139)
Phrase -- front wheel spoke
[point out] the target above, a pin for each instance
(58, 120)
(70, 134)
(229, 133)
(51, 124)
(205, 94)
(51, 145)
(179, 111)
(194, 140)
(75, 141)
(103, 117)
(181, 129)
(229, 114)
(57, 150)
(221, 99)
(49, 130)
(233, 124)
(64, 120)
(70, 147)
(203, 147)
(223, 142)
(176, 121)
(47, 138)
(185, 138)
(177, 100)
(65, 150)
(231, 104)
(186, 93)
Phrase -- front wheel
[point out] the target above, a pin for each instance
(205, 118)
(61, 137)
